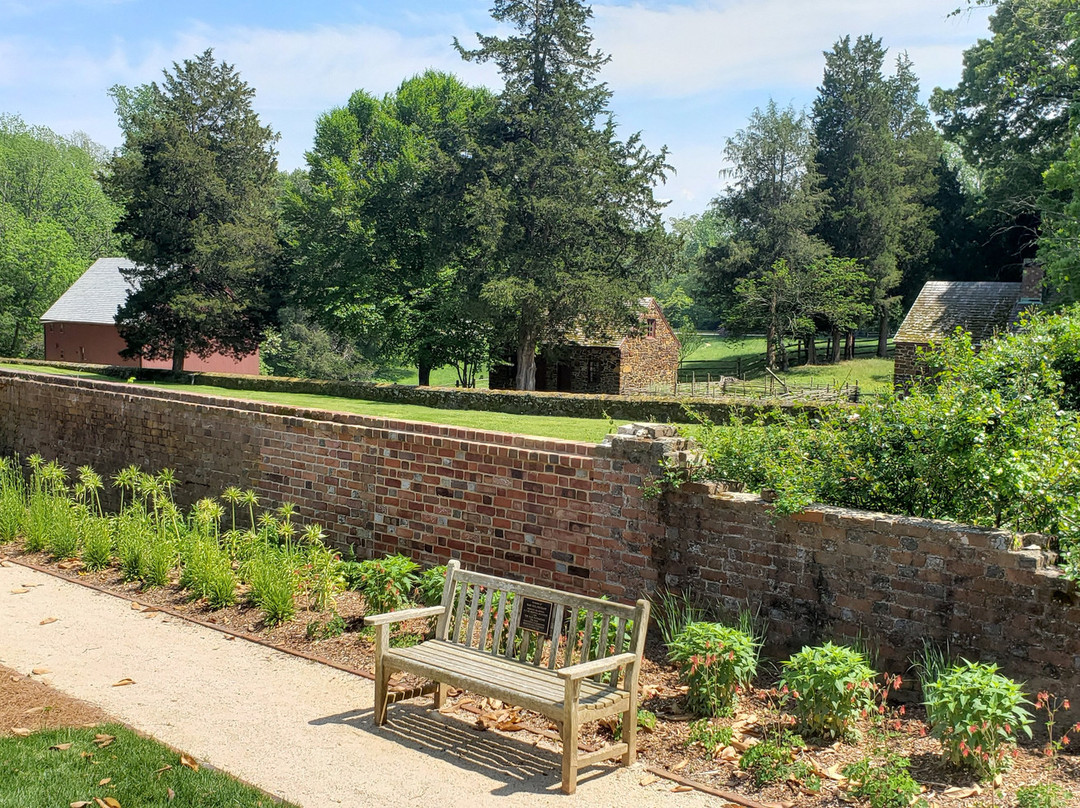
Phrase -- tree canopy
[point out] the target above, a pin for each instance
(55, 220)
(197, 178)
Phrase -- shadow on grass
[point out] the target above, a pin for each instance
(521, 767)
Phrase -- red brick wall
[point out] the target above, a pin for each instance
(573, 515)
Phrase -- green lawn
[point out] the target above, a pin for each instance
(137, 773)
(440, 377)
(590, 430)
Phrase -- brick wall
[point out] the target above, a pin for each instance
(573, 515)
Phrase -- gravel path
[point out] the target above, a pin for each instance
(295, 728)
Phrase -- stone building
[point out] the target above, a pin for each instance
(643, 361)
(81, 326)
(982, 308)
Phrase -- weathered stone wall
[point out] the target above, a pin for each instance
(573, 515)
(649, 363)
(905, 368)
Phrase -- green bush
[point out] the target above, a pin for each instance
(273, 585)
(429, 590)
(386, 583)
(884, 784)
(975, 712)
(1043, 795)
(773, 761)
(97, 543)
(714, 660)
(207, 573)
(712, 739)
(828, 686)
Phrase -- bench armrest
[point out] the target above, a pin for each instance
(587, 669)
(403, 614)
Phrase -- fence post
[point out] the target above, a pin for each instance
(693, 383)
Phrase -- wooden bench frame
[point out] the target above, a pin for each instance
(502, 658)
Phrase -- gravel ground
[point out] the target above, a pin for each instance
(297, 729)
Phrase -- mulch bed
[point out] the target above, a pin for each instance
(666, 746)
(27, 703)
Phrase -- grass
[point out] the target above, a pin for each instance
(140, 773)
(440, 377)
(718, 354)
(589, 430)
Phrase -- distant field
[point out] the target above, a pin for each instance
(730, 356)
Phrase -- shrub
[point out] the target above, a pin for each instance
(350, 571)
(430, 588)
(386, 583)
(975, 711)
(1043, 795)
(64, 530)
(160, 561)
(712, 739)
(207, 572)
(273, 586)
(773, 761)
(828, 687)
(714, 660)
(323, 578)
(884, 784)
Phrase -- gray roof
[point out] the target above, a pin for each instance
(983, 309)
(95, 296)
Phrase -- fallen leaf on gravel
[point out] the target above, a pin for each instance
(22, 732)
(40, 671)
(682, 789)
(123, 682)
(48, 620)
(31, 586)
(151, 610)
(137, 607)
(15, 678)
(6, 564)
(60, 747)
(20, 591)
(102, 740)
(727, 755)
(956, 792)
(74, 564)
(678, 767)
(189, 761)
(229, 638)
(831, 773)
(649, 779)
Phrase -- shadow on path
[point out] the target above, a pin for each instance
(522, 767)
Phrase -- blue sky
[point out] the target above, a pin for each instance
(686, 74)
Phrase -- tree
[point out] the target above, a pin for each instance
(773, 205)
(197, 179)
(683, 292)
(876, 152)
(567, 210)
(1010, 112)
(382, 250)
(55, 220)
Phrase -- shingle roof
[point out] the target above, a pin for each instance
(982, 309)
(580, 337)
(95, 296)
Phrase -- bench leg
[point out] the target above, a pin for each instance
(569, 731)
(440, 695)
(629, 733)
(382, 675)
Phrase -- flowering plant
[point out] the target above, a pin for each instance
(828, 687)
(716, 661)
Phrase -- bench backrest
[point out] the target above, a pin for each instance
(534, 624)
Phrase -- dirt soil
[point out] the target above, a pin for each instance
(667, 744)
(26, 703)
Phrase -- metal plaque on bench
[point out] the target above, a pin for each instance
(536, 615)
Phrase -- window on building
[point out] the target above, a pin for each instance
(593, 370)
(650, 326)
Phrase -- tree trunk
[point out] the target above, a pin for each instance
(525, 379)
(781, 349)
(811, 350)
(178, 356)
(883, 335)
(849, 345)
(423, 370)
(770, 347)
(835, 357)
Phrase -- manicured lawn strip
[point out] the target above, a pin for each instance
(141, 770)
(56, 371)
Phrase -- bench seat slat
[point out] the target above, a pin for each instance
(521, 685)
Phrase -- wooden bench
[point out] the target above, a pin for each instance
(573, 659)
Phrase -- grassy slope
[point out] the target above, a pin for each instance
(141, 773)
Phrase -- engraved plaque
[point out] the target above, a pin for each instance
(536, 615)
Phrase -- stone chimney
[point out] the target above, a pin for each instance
(1031, 287)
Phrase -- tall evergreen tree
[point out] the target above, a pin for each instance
(566, 207)
(774, 204)
(197, 178)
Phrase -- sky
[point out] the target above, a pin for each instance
(686, 75)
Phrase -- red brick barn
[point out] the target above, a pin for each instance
(81, 326)
(643, 361)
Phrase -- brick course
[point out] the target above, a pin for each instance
(573, 515)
